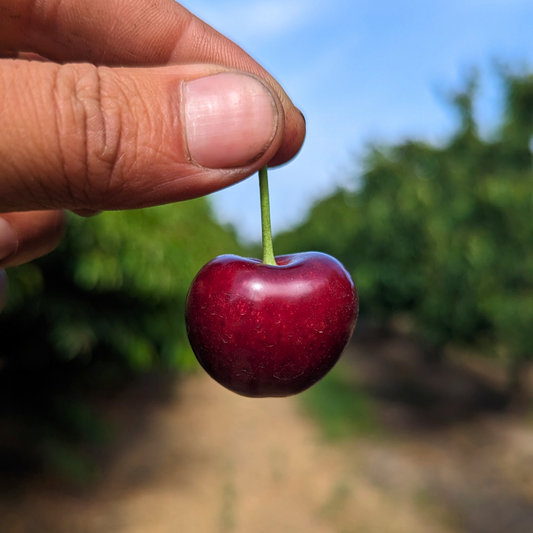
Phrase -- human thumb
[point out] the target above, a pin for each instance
(82, 137)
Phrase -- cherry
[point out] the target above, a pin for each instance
(271, 328)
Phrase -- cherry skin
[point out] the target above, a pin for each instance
(270, 330)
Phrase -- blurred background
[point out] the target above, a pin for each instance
(417, 175)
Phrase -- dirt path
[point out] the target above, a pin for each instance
(209, 461)
(191, 457)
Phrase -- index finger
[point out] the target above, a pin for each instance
(133, 33)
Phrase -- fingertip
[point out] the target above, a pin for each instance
(8, 239)
(37, 234)
(293, 138)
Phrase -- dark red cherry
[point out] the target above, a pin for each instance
(270, 330)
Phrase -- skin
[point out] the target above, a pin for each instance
(263, 330)
(62, 92)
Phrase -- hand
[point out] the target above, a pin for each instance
(131, 103)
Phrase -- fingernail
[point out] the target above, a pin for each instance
(230, 120)
(87, 213)
(8, 239)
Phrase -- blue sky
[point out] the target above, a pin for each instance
(364, 71)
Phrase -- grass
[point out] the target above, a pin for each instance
(340, 406)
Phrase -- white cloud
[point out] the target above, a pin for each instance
(260, 19)
(276, 17)
(358, 73)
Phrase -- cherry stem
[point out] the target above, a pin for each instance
(268, 250)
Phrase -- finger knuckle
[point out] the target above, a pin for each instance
(92, 120)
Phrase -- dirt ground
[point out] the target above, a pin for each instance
(204, 460)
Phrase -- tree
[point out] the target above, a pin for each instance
(106, 306)
(444, 233)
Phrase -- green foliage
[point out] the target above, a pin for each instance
(106, 306)
(443, 233)
(341, 408)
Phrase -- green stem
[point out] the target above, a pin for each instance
(268, 250)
